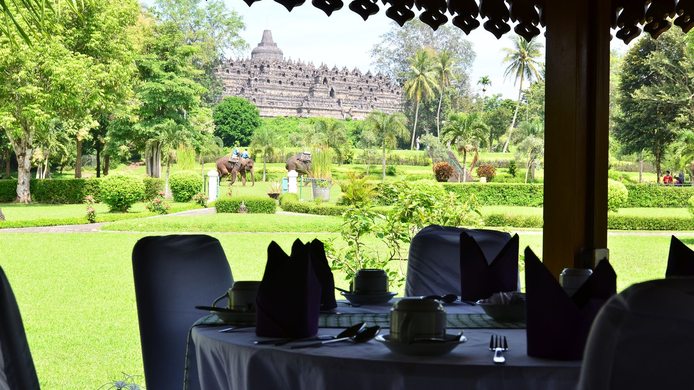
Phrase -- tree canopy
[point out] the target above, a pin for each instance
(235, 120)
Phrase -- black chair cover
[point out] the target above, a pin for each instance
(18, 364)
(680, 261)
(173, 274)
(433, 266)
(642, 338)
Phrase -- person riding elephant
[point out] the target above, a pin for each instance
(301, 163)
(226, 167)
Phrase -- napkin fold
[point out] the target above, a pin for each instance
(680, 261)
(480, 276)
(558, 325)
(324, 274)
(289, 295)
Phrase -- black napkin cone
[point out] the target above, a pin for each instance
(680, 260)
(323, 273)
(558, 325)
(288, 301)
(481, 277)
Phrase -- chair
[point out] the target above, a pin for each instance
(16, 364)
(433, 266)
(173, 274)
(642, 338)
(680, 260)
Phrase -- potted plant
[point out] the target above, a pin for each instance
(321, 177)
(274, 190)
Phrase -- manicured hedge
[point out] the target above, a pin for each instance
(614, 222)
(8, 190)
(651, 195)
(256, 205)
(499, 194)
(68, 191)
(184, 186)
(313, 208)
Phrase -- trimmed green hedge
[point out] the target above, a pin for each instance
(499, 194)
(184, 186)
(255, 205)
(68, 191)
(153, 186)
(313, 208)
(614, 222)
(651, 195)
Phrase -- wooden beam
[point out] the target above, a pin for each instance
(576, 134)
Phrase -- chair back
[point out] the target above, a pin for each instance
(173, 274)
(16, 364)
(433, 266)
(642, 338)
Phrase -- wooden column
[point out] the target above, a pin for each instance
(576, 135)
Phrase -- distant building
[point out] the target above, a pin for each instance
(293, 88)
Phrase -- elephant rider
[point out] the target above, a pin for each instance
(245, 154)
(234, 156)
(305, 157)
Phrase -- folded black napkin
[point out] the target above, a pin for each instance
(320, 265)
(680, 261)
(289, 296)
(558, 325)
(480, 277)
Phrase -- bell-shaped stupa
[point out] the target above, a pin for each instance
(267, 49)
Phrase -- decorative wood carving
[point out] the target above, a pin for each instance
(526, 16)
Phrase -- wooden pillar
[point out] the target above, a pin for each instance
(576, 135)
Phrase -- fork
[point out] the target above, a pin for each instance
(499, 345)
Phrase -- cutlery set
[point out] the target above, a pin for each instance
(499, 345)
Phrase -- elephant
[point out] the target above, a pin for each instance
(225, 166)
(301, 163)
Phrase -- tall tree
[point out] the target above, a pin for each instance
(485, 82)
(333, 134)
(235, 120)
(656, 95)
(497, 114)
(523, 64)
(168, 94)
(420, 84)
(386, 129)
(28, 18)
(264, 142)
(211, 28)
(466, 131)
(443, 67)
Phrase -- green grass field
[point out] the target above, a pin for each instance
(76, 292)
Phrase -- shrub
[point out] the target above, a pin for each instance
(499, 194)
(255, 205)
(691, 205)
(621, 222)
(153, 186)
(391, 170)
(8, 190)
(201, 199)
(158, 205)
(487, 171)
(617, 195)
(121, 192)
(91, 212)
(442, 171)
(386, 193)
(313, 208)
(288, 198)
(67, 191)
(512, 168)
(184, 186)
(356, 190)
(651, 195)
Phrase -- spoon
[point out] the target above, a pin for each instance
(448, 298)
(363, 336)
(348, 332)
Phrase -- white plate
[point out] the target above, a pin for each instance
(424, 348)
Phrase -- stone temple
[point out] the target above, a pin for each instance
(280, 87)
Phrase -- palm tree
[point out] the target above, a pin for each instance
(522, 60)
(485, 82)
(444, 73)
(465, 130)
(334, 135)
(386, 129)
(420, 84)
(265, 141)
(26, 16)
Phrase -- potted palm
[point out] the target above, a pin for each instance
(321, 177)
(274, 190)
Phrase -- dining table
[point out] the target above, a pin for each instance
(232, 359)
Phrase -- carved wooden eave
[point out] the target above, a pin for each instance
(526, 16)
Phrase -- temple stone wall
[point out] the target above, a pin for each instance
(293, 88)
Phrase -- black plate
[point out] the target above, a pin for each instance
(368, 299)
(231, 317)
(424, 348)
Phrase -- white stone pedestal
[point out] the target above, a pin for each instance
(212, 185)
(293, 188)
